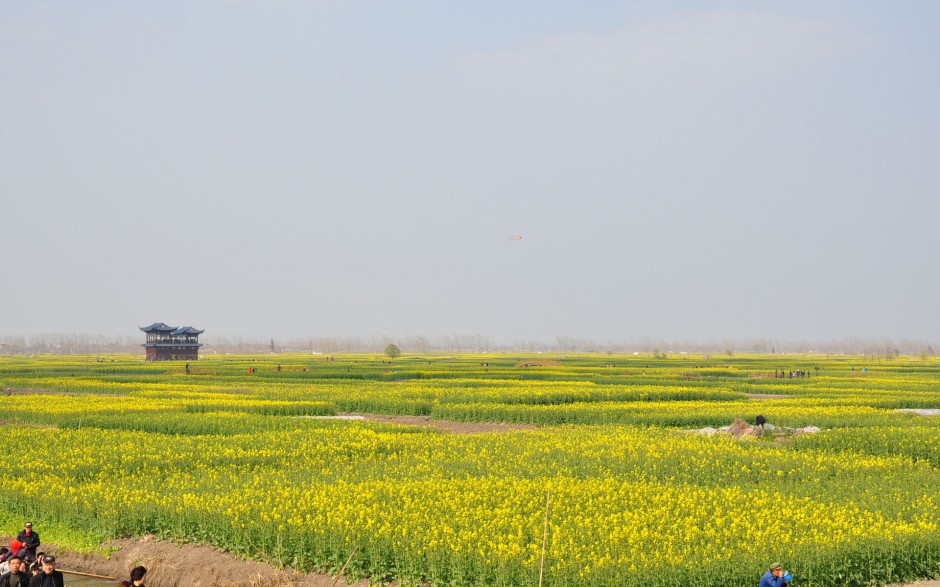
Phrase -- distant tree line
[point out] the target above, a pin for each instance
(101, 344)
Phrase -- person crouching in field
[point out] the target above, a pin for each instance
(48, 576)
(775, 577)
(15, 577)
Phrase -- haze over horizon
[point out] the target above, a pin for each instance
(697, 171)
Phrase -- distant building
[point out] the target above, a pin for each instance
(169, 343)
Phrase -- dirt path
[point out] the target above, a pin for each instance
(451, 426)
(31, 391)
(169, 565)
(766, 396)
(445, 425)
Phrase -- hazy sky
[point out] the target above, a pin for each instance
(696, 170)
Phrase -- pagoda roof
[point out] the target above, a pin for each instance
(161, 327)
(158, 327)
(187, 330)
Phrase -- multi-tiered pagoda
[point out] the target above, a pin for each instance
(169, 343)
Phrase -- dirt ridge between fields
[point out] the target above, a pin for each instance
(172, 565)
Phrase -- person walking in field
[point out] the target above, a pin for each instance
(775, 577)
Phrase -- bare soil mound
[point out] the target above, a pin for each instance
(539, 363)
(739, 429)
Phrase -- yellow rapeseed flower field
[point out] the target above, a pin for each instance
(634, 498)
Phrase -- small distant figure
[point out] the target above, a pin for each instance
(188, 371)
(760, 420)
(775, 577)
(278, 368)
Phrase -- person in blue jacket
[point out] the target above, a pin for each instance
(775, 577)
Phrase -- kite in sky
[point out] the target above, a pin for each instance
(516, 237)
